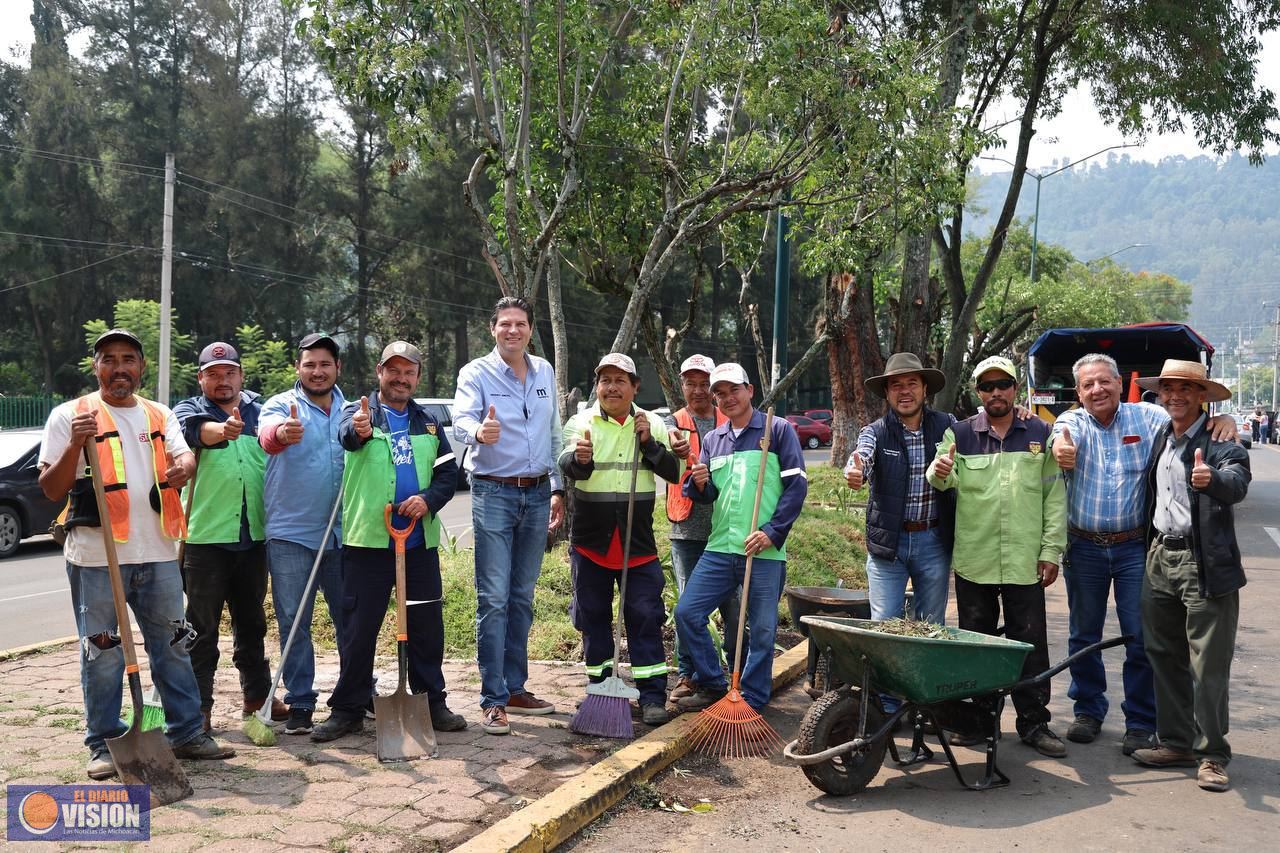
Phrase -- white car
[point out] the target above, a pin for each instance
(441, 408)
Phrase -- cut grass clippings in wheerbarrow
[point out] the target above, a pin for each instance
(910, 628)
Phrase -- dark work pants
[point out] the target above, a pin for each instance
(1024, 619)
(643, 614)
(213, 577)
(368, 584)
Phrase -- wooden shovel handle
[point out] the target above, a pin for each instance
(113, 563)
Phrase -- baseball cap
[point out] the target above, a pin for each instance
(697, 362)
(995, 362)
(319, 339)
(219, 352)
(400, 349)
(620, 361)
(729, 372)
(117, 335)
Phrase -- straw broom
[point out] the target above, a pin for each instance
(731, 727)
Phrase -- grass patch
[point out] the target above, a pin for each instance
(826, 545)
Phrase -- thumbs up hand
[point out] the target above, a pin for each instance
(490, 429)
(853, 474)
(290, 431)
(361, 422)
(1064, 451)
(943, 464)
(582, 451)
(232, 426)
(700, 474)
(680, 443)
(1201, 474)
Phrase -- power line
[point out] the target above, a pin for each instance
(69, 272)
(137, 169)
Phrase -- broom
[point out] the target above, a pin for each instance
(731, 727)
(606, 712)
(257, 726)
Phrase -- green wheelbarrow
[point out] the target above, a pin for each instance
(957, 683)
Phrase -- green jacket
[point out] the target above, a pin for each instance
(1011, 502)
(227, 478)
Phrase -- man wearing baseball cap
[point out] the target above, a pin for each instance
(604, 445)
(690, 522)
(397, 454)
(1011, 530)
(224, 560)
(299, 432)
(726, 475)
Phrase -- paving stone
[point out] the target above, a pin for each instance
(443, 831)
(178, 842)
(311, 834)
(405, 820)
(240, 826)
(373, 842)
(386, 796)
(366, 816)
(312, 809)
(342, 791)
(240, 845)
(445, 806)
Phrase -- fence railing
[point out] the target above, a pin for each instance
(26, 411)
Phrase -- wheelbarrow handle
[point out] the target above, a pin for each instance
(1063, 664)
(398, 536)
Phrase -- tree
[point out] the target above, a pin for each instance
(142, 317)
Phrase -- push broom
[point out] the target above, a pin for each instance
(606, 712)
(731, 727)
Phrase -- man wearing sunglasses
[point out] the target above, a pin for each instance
(1011, 530)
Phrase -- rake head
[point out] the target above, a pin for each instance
(731, 728)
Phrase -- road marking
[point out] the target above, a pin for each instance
(56, 592)
(1274, 534)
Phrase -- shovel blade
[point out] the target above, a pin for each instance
(404, 727)
(145, 758)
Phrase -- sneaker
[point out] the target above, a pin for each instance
(957, 739)
(338, 725)
(495, 721)
(203, 748)
(279, 710)
(1164, 756)
(101, 766)
(701, 698)
(444, 720)
(527, 703)
(685, 686)
(1044, 741)
(299, 721)
(1136, 739)
(1212, 776)
(654, 715)
(1084, 729)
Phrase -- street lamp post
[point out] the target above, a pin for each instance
(1116, 252)
(1035, 223)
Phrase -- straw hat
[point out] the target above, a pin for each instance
(901, 364)
(1188, 371)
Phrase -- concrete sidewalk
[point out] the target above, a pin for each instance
(305, 795)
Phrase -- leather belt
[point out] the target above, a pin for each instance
(1173, 543)
(1103, 540)
(518, 482)
(917, 526)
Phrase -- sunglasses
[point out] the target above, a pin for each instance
(995, 385)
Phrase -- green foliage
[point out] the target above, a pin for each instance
(16, 380)
(267, 366)
(142, 317)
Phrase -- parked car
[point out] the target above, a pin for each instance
(823, 415)
(24, 510)
(1245, 428)
(812, 433)
(441, 408)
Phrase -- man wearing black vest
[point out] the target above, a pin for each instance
(909, 522)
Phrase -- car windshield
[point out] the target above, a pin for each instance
(15, 445)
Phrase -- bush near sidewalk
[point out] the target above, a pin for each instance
(826, 544)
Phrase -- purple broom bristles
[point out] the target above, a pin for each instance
(603, 716)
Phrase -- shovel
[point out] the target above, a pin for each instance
(403, 720)
(141, 757)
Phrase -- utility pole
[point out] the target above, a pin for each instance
(166, 281)
(1275, 360)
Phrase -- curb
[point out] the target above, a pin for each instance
(549, 822)
(19, 651)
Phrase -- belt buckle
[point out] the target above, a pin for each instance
(1102, 540)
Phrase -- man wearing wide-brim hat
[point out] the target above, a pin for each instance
(909, 522)
(1190, 593)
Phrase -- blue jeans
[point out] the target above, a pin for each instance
(1089, 571)
(290, 565)
(154, 593)
(925, 559)
(685, 554)
(715, 577)
(510, 528)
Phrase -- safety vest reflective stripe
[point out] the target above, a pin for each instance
(641, 672)
(598, 669)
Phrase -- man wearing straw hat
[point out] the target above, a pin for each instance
(1191, 589)
(599, 457)
(726, 476)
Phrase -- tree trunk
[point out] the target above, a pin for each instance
(559, 343)
(853, 355)
(460, 352)
(911, 331)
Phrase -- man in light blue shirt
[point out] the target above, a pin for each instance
(299, 431)
(505, 409)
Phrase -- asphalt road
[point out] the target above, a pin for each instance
(1093, 800)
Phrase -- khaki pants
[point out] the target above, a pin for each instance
(1190, 641)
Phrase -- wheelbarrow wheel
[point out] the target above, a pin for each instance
(832, 720)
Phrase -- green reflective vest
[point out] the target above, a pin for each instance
(227, 479)
(369, 484)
